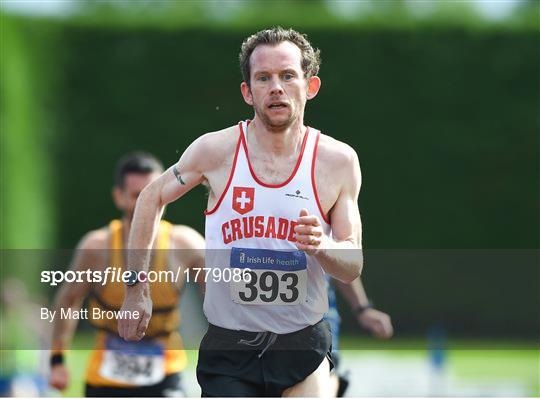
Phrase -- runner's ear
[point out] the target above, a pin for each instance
(314, 84)
(117, 197)
(246, 93)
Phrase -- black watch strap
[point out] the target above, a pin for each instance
(57, 358)
(360, 308)
(132, 278)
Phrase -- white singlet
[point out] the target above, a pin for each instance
(270, 285)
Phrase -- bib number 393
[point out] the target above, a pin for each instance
(274, 278)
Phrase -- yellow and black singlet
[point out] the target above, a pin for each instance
(118, 363)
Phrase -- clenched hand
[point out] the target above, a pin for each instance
(137, 299)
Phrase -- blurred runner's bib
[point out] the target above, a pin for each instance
(134, 363)
(116, 363)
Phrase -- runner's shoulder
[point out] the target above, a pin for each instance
(337, 154)
(218, 145)
(92, 249)
(95, 239)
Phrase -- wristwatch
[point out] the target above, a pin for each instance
(131, 278)
(56, 358)
(360, 308)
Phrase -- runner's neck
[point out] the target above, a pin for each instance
(285, 143)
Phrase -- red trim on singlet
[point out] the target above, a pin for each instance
(293, 172)
(220, 200)
(324, 216)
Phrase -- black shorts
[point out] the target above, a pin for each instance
(242, 363)
(336, 359)
(171, 385)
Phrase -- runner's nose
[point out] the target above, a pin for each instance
(275, 86)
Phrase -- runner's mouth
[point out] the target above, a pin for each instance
(278, 105)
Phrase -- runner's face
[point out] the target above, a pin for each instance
(278, 88)
(125, 197)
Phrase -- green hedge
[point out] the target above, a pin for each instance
(28, 138)
(445, 123)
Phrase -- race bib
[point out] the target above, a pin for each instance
(274, 278)
(135, 363)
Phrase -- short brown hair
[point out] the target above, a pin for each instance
(138, 162)
(311, 58)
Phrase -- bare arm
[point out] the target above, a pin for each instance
(340, 255)
(71, 296)
(171, 185)
(377, 322)
(354, 293)
(373, 320)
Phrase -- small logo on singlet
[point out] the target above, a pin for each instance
(243, 199)
(297, 195)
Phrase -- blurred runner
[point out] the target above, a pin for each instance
(152, 366)
(23, 367)
(376, 322)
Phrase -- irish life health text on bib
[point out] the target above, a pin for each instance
(275, 277)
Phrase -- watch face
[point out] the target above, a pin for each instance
(131, 278)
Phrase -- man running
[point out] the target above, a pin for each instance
(282, 212)
(150, 367)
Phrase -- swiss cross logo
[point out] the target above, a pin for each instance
(243, 199)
